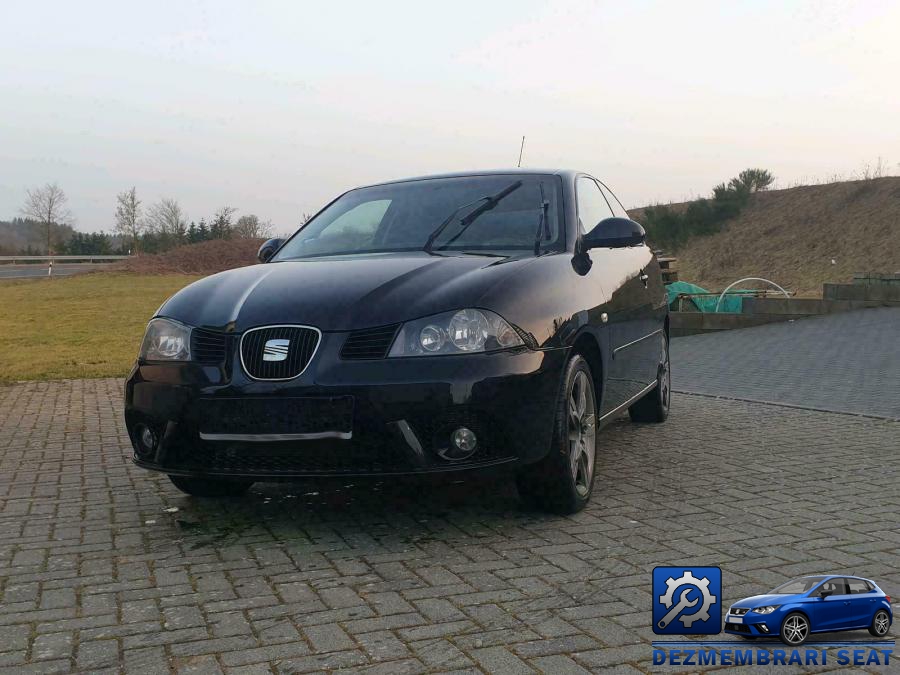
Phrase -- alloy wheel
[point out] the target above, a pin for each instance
(795, 628)
(881, 622)
(665, 376)
(582, 432)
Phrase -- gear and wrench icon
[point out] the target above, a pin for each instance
(701, 584)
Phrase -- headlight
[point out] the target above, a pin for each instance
(166, 340)
(465, 331)
(767, 609)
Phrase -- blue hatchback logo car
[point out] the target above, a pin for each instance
(687, 600)
(814, 604)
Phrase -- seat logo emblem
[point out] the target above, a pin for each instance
(276, 350)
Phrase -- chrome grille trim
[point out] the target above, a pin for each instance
(315, 350)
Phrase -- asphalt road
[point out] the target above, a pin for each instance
(36, 271)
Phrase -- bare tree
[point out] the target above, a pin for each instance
(47, 205)
(166, 219)
(251, 227)
(128, 216)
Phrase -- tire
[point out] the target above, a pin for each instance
(881, 623)
(794, 629)
(210, 487)
(563, 481)
(653, 407)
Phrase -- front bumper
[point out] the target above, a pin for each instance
(753, 626)
(402, 413)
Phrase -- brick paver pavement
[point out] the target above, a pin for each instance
(845, 362)
(107, 568)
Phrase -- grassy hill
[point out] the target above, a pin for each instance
(801, 237)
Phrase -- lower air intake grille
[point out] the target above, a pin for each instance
(208, 346)
(278, 352)
(371, 343)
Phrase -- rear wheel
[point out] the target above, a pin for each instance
(880, 623)
(210, 487)
(653, 407)
(562, 482)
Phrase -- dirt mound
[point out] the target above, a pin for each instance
(207, 257)
(802, 237)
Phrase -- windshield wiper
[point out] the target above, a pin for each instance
(543, 227)
(489, 203)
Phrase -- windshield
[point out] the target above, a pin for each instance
(798, 586)
(404, 217)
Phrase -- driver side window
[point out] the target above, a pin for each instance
(836, 586)
(592, 206)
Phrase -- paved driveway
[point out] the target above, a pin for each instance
(845, 362)
(105, 566)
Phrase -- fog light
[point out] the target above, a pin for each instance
(462, 445)
(464, 439)
(763, 627)
(146, 439)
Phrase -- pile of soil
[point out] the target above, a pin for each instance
(207, 257)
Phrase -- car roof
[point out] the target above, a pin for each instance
(833, 576)
(563, 173)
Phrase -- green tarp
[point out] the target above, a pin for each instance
(704, 303)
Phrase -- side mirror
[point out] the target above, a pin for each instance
(615, 233)
(824, 594)
(267, 250)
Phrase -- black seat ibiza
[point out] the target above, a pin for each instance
(437, 324)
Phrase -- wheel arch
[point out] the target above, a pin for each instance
(797, 610)
(588, 347)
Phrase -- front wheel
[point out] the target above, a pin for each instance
(880, 623)
(653, 407)
(794, 629)
(210, 487)
(562, 482)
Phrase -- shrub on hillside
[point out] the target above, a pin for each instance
(671, 228)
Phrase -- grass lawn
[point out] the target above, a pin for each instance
(88, 325)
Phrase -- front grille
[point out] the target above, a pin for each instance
(371, 343)
(738, 611)
(278, 352)
(208, 346)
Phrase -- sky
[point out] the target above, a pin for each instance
(275, 108)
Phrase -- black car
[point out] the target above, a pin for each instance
(436, 324)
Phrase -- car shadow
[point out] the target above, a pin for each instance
(373, 515)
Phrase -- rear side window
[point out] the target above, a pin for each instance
(859, 586)
(592, 205)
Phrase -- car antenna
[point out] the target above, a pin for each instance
(521, 148)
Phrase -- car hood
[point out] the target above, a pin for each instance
(763, 600)
(336, 294)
